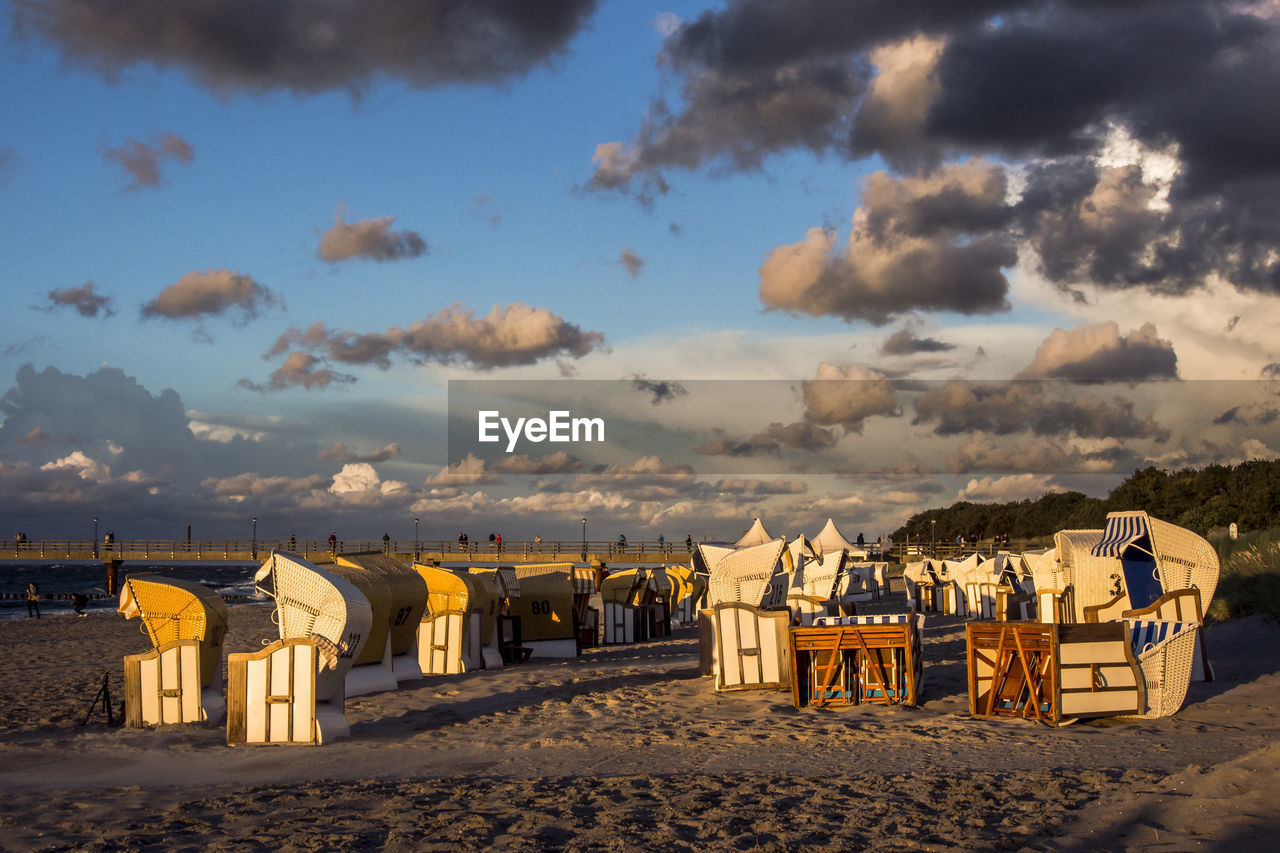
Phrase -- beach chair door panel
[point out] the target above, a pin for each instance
(440, 643)
(272, 695)
(619, 623)
(163, 685)
(751, 648)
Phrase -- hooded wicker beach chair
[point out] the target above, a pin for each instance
(500, 587)
(180, 679)
(452, 632)
(408, 606)
(294, 690)
(744, 634)
(545, 609)
(687, 587)
(620, 597)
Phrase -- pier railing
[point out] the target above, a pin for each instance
(250, 550)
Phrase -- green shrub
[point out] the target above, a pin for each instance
(1250, 579)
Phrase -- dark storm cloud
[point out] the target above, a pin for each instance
(142, 161)
(1003, 408)
(1049, 83)
(926, 242)
(1100, 353)
(770, 441)
(306, 46)
(905, 342)
(85, 300)
(339, 452)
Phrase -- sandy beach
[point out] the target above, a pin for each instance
(626, 748)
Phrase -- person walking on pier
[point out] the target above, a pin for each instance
(33, 600)
(333, 542)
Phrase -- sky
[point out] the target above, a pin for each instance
(807, 259)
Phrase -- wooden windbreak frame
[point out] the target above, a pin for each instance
(871, 663)
(1018, 670)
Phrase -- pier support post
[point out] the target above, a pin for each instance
(113, 575)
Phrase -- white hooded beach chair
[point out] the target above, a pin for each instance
(744, 634)
(180, 679)
(333, 618)
(621, 594)
(687, 588)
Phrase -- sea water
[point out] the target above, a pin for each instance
(90, 578)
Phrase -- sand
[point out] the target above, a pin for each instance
(627, 748)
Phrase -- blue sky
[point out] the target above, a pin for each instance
(158, 156)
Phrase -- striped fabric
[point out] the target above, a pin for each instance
(883, 619)
(584, 580)
(1147, 634)
(1121, 530)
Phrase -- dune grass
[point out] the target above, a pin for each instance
(1250, 579)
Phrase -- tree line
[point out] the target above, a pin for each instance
(1199, 499)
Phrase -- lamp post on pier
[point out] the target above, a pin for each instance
(95, 537)
(584, 539)
(254, 539)
(933, 524)
(415, 539)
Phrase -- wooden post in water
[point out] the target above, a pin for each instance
(113, 576)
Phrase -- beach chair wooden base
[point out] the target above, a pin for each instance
(162, 686)
(655, 620)
(440, 643)
(271, 697)
(928, 598)
(621, 624)
(589, 629)
(1014, 605)
(1053, 673)
(753, 647)
(980, 598)
(857, 663)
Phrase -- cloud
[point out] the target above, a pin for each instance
(358, 482)
(663, 391)
(905, 342)
(559, 462)
(339, 452)
(241, 487)
(847, 396)
(1143, 134)
(960, 406)
(1014, 487)
(1100, 353)
(469, 471)
(141, 161)
(1041, 455)
(205, 294)
(300, 370)
(85, 299)
(307, 47)
(800, 435)
(371, 239)
(512, 335)
(631, 262)
(84, 467)
(929, 242)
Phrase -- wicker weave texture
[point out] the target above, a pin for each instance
(173, 609)
(749, 576)
(1175, 548)
(1166, 669)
